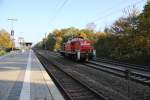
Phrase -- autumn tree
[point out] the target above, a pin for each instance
(144, 20)
(125, 25)
(5, 40)
(69, 32)
(58, 38)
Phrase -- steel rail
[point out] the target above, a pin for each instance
(118, 63)
(126, 73)
(101, 97)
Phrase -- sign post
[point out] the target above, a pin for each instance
(12, 32)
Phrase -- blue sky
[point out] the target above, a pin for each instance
(36, 17)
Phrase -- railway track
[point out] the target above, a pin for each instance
(127, 71)
(100, 79)
(72, 87)
(114, 62)
(136, 74)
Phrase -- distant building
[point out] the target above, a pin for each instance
(28, 45)
(91, 26)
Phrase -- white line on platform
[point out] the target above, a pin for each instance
(25, 92)
(51, 85)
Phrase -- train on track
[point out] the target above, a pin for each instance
(78, 49)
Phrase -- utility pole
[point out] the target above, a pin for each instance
(12, 31)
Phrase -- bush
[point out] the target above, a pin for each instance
(133, 48)
(8, 49)
(2, 52)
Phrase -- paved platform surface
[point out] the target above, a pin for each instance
(22, 77)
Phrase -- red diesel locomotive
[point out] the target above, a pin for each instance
(78, 49)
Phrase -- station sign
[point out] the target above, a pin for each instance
(12, 32)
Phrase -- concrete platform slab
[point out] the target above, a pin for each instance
(22, 77)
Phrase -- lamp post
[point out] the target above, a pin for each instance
(12, 31)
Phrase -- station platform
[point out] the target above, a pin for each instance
(22, 77)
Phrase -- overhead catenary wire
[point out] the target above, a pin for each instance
(110, 8)
(114, 12)
(59, 10)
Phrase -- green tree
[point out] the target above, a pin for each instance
(144, 20)
(50, 42)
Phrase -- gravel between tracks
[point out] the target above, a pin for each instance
(75, 90)
(115, 88)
